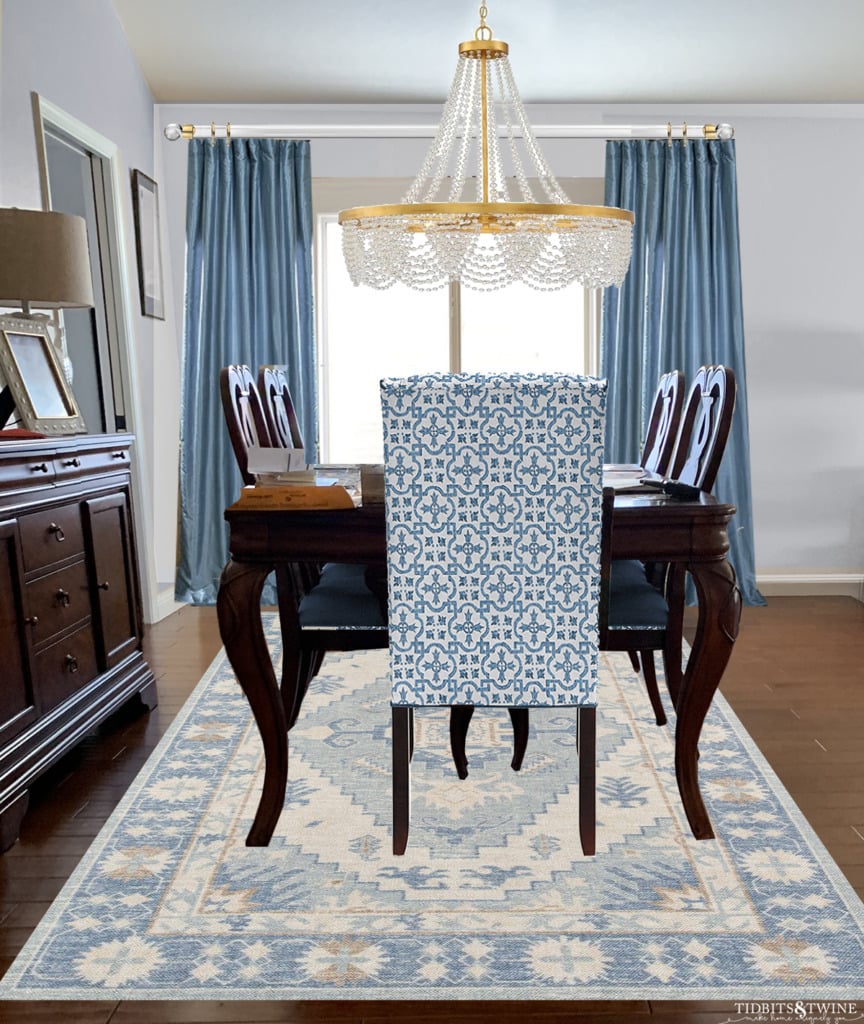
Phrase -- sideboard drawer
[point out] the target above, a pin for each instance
(57, 601)
(54, 535)
(89, 463)
(65, 667)
(24, 472)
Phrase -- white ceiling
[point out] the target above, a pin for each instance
(576, 51)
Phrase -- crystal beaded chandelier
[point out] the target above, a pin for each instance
(440, 232)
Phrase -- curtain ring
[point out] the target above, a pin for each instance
(212, 133)
(684, 133)
(228, 132)
(668, 133)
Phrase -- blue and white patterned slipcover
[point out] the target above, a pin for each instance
(493, 488)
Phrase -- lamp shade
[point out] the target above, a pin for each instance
(44, 260)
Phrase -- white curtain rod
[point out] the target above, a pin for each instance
(377, 131)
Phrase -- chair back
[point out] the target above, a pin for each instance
(493, 487)
(663, 423)
(705, 427)
(279, 408)
(244, 415)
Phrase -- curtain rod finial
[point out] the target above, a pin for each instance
(172, 132)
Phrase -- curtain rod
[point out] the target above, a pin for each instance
(370, 131)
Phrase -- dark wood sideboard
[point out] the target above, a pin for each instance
(70, 604)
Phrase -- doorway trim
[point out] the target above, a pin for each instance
(120, 309)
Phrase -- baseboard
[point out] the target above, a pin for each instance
(165, 604)
(833, 584)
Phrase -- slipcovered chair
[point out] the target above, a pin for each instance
(493, 488)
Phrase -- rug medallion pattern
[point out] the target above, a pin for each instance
(493, 898)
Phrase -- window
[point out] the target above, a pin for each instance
(365, 334)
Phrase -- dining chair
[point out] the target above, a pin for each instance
(705, 425)
(244, 415)
(704, 430)
(331, 607)
(493, 487)
(278, 407)
(663, 423)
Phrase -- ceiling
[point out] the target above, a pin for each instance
(575, 51)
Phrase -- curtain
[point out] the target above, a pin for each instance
(249, 299)
(680, 305)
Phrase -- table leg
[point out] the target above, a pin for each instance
(717, 628)
(238, 605)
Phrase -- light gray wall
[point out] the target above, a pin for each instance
(74, 54)
(801, 214)
(801, 203)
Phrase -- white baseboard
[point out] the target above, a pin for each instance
(165, 604)
(835, 584)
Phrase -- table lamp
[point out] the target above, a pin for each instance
(44, 260)
(44, 264)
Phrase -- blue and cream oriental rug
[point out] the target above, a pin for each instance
(493, 899)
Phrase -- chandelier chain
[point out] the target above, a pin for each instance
(483, 28)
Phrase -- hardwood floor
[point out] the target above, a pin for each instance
(795, 680)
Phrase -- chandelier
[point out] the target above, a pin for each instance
(464, 219)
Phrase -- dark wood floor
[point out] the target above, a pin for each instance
(796, 680)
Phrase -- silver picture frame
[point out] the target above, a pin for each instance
(32, 371)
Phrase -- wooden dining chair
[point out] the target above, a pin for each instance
(322, 608)
(658, 448)
(244, 415)
(493, 488)
(705, 424)
(278, 407)
(663, 423)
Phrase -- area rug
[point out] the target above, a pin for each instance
(493, 899)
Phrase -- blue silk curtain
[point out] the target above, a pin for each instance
(249, 299)
(680, 304)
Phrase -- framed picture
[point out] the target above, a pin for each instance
(145, 204)
(34, 376)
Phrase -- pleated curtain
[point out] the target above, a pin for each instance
(249, 299)
(680, 305)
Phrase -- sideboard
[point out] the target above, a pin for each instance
(70, 605)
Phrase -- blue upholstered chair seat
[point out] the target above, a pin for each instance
(633, 602)
(341, 600)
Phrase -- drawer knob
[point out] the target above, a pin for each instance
(40, 467)
(72, 462)
(31, 620)
(59, 535)
(63, 597)
(71, 663)
(105, 585)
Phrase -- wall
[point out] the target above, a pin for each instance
(801, 208)
(801, 212)
(74, 54)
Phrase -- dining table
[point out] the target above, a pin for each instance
(648, 525)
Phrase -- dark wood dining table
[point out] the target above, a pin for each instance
(652, 527)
